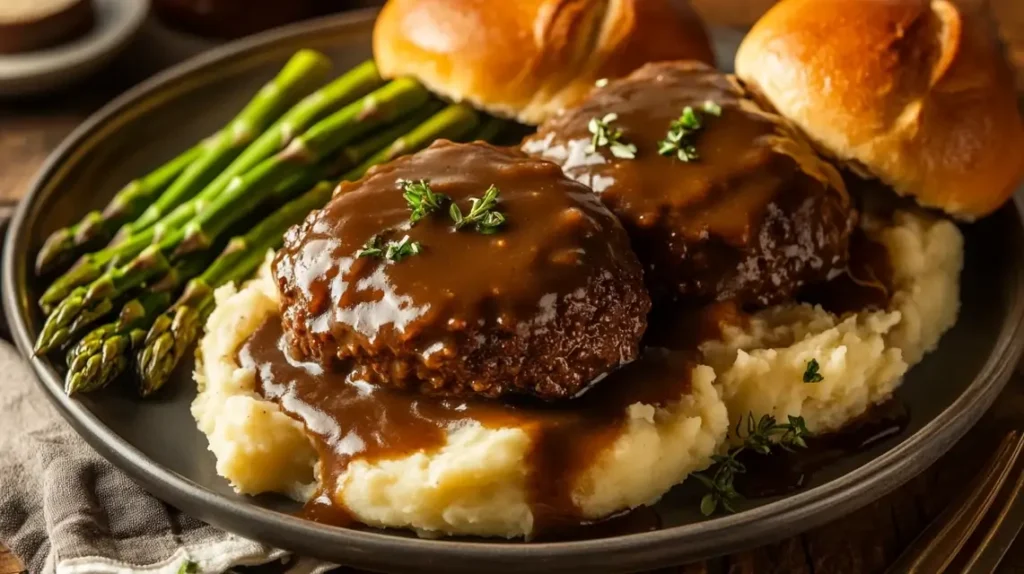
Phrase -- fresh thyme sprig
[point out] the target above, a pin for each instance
(399, 250)
(372, 248)
(679, 139)
(606, 135)
(482, 213)
(392, 251)
(761, 436)
(483, 216)
(421, 199)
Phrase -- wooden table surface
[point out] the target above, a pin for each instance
(865, 541)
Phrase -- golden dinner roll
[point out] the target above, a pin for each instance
(530, 58)
(917, 93)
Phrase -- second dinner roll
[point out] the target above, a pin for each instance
(529, 59)
(914, 92)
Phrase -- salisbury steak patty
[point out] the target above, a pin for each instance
(738, 206)
(543, 302)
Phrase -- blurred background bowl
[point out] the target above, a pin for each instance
(115, 24)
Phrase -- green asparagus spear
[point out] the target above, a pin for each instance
(319, 142)
(171, 348)
(103, 354)
(490, 129)
(455, 122)
(378, 108)
(300, 76)
(350, 86)
(175, 331)
(63, 245)
(352, 155)
(84, 305)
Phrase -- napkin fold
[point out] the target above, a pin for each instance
(65, 509)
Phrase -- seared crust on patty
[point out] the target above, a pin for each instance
(750, 214)
(548, 303)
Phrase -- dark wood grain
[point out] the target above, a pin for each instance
(865, 541)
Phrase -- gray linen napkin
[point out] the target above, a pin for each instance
(64, 509)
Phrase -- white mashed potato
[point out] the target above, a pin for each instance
(475, 483)
(862, 357)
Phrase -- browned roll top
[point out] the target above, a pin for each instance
(917, 93)
(529, 59)
(753, 217)
(551, 301)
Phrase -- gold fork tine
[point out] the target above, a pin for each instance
(938, 545)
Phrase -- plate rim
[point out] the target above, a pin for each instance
(809, 508)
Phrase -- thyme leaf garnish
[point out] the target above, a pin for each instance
(762, 435)
(392, 251)
(372, 248)
(483, 214)
(811, 374)
(421, 199)
(399, 250)
(679, 139)
(604, 134)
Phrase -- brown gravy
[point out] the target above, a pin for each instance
(551, 300)
(784, 472)
(866, 283)
(754, 217)
(351, 419)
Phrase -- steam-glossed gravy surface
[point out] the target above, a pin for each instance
(353, 419)
(549, 301)
(751, 214)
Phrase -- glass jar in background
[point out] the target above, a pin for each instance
(228, 19)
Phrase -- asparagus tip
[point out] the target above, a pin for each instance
(72, 383)
(89, 229)
(82, 273)
(195, 240)
(150, 385)
(119, 237)
(48, 340)
(55, 249)
(153, 363)
(50, 332)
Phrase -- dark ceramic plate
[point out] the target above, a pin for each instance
(157, 443)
